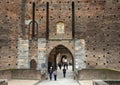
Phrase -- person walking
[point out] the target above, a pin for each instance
(50, 73)
(67, 66)
(60, 65)
(64, 72)
(55, 74)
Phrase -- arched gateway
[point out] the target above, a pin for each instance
(60, 55)
(51, 53)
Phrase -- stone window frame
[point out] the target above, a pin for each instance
(58, 29)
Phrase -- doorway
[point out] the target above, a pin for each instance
(33, 64)
(60, 55)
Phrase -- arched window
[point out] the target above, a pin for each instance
(60, 27)
(33, 64)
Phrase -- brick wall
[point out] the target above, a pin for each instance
(98, 74)
(5, 74)
(9, 27)
(20, 74)
(26, 74)
(96, 21)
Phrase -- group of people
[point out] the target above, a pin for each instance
(65, 65)
(53, 71)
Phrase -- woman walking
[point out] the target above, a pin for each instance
(55, 74)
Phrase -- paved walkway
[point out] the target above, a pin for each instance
(86, 82)
(69, 80)
(22, 82)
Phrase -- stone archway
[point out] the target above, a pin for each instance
(56, 55)
(33, 64)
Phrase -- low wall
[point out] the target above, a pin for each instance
(20, 74)
(113, 74)
(3, 82)
(5, 74)
(26, 74)
(98, 74)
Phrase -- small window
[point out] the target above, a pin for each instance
(104, 63)
(8, 64)
(108, 52)
(104, 56)
(96, 63)
(88, 63)
(60, 28)
(119, 35)
(108, 44)
(59, 1)
(103, 49)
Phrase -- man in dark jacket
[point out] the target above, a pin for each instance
(50, 73)
(64, 72)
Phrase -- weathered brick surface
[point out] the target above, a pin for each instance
(98, 74)
(26, 74)
(96, 21)
(5, 74)
(20, 74)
